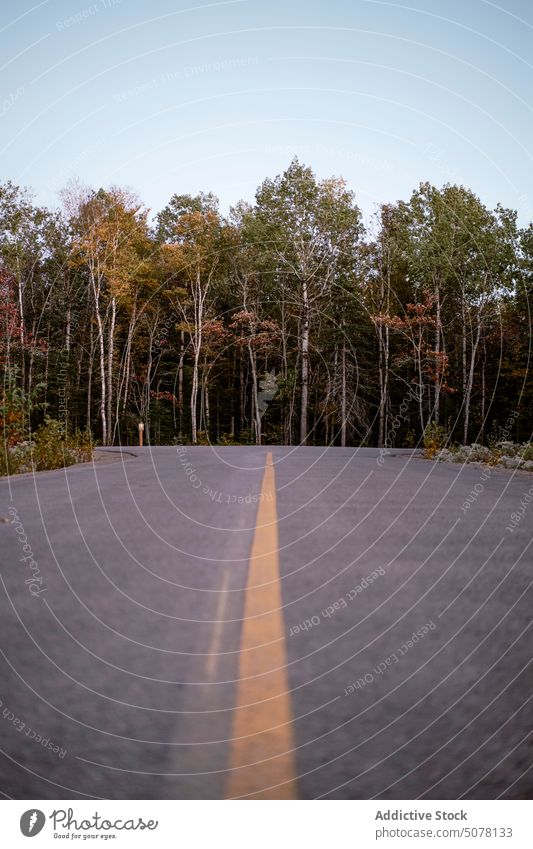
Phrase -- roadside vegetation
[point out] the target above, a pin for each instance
(48, 447)
(498, 452)
(110, 316)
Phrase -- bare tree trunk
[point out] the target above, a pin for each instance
(21, 311)
(483, 389)
(420, 382)
(124, 386)
(463, 344)
(22, 328)
(67, 368)
(382, 398)
(305, 364)
(292, 402)
(255, 396)
(285, 370)
(343, 393)
(110, 355)
(207, 407)
(194, 397)
(199, 294)
(68, 330)
(242, 389)
(180, 380)
(470, 380)
(284, 365)
(384, 349)
(438, 376)
(201, 418)
(330, 393)
(79, 365)
(90, 377)
(101, 344)
(47, 364)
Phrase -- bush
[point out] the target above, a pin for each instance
(508, 455)
(246, 437)
(494, 456)
(410, 439)
(81, 445)
(227, 439)
(202, 437)
(15, 459)
(16, 407)
(526, 452)
(435, 438)
(50, 449)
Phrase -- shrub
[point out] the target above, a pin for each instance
(526, 452)
(50, 449)
(15, 459)
(494, 456)
(81, 445)
(410, 439)
(435, 438)
(246, 437)
(227, 439)
(16, 407)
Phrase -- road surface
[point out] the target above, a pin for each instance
(266, 623)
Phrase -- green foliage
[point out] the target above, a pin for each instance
(435, 438)
(273, 434)
(81, 445)
(178, 206)
(114, 321)
(15, 459)
(13, 414)
(16, 407)
(50, 449)
(246, 437)
(53, 449)
(410, 439)
(227, 439)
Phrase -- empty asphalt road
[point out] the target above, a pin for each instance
(266, 623)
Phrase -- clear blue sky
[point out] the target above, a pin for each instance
(181, 96)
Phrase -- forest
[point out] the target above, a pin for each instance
(113, 314)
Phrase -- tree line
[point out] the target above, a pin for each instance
(370, 333)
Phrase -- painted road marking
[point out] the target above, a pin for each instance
(214, 646)
(262, 753)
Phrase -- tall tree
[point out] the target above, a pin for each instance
(193, 257)
(109, 238)
(307, 227)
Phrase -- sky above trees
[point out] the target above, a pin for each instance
(213, 96)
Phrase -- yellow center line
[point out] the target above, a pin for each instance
(262, 750)
(216, 639)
